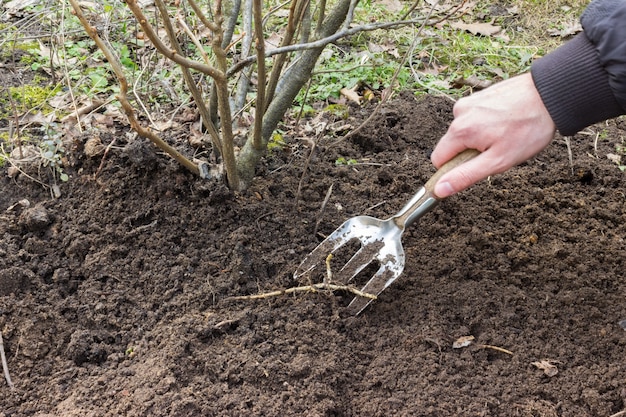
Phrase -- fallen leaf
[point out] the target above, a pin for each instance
(569, 30)
(17, 5)
(392, 5)
(351, 94)
(463, 341)
(273, 41)
(388, 47)
(38, 118)
(547, 367)
(482, 29)
(614, 158)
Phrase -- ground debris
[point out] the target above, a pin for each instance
(547, 367)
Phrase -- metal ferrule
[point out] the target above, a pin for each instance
(420, 204)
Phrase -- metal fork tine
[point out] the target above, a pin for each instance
(381, 280)
(329, 245)
(362, 258)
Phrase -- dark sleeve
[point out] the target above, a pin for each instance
(584, 81)
(605, 26)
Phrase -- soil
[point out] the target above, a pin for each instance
(117, 299)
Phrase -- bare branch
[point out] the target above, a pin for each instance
(122, 96)
(191, 84)
(260, 95)
(295, 16)
(223, 103)
(168, 52)
(243, 84)
(213, 27)
(321, 42)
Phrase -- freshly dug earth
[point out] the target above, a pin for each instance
(117, 298)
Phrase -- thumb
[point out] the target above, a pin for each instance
(462, 177)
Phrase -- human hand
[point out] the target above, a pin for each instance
(508, 123)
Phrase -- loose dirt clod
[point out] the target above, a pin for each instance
(35, 218)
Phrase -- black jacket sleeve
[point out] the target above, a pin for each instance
(605, 26)
(584, 81)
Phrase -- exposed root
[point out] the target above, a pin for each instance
(499, 349)
(5, 366)
(306, 288)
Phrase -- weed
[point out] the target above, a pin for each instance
(343, 161)
(52, 150)
(276, 142)
(340, 111)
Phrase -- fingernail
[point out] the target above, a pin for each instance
(443, 190)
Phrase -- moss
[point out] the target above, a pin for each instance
(339, 110)
(28, 97)
(276, 142)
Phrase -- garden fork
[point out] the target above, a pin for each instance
(380, 240)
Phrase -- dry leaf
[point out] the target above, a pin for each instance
(388, 47)
(351, 94)
(570, 30)
(547, 367)
(17, 5)
(614, 158)
(483, 29)
(392, 5)
(38, 118)
(463, 341)
(273, 42)
(94, 147)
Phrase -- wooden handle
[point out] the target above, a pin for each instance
(461, 158)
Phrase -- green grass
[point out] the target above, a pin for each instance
(444, 54)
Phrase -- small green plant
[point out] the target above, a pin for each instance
(276, 142)
(52, 150)
(343, 161)
(338, 110)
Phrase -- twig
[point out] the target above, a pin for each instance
(16, 166)
(80, 111)
(322, 42)
(66, 72)
(205, 114)
(569, 153)
(621, 413)
(104, 156)
(5, 366)
(306, 288)
(322, 208)
(499, 349)
(306, 168)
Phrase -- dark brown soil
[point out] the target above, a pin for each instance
(115, 299)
